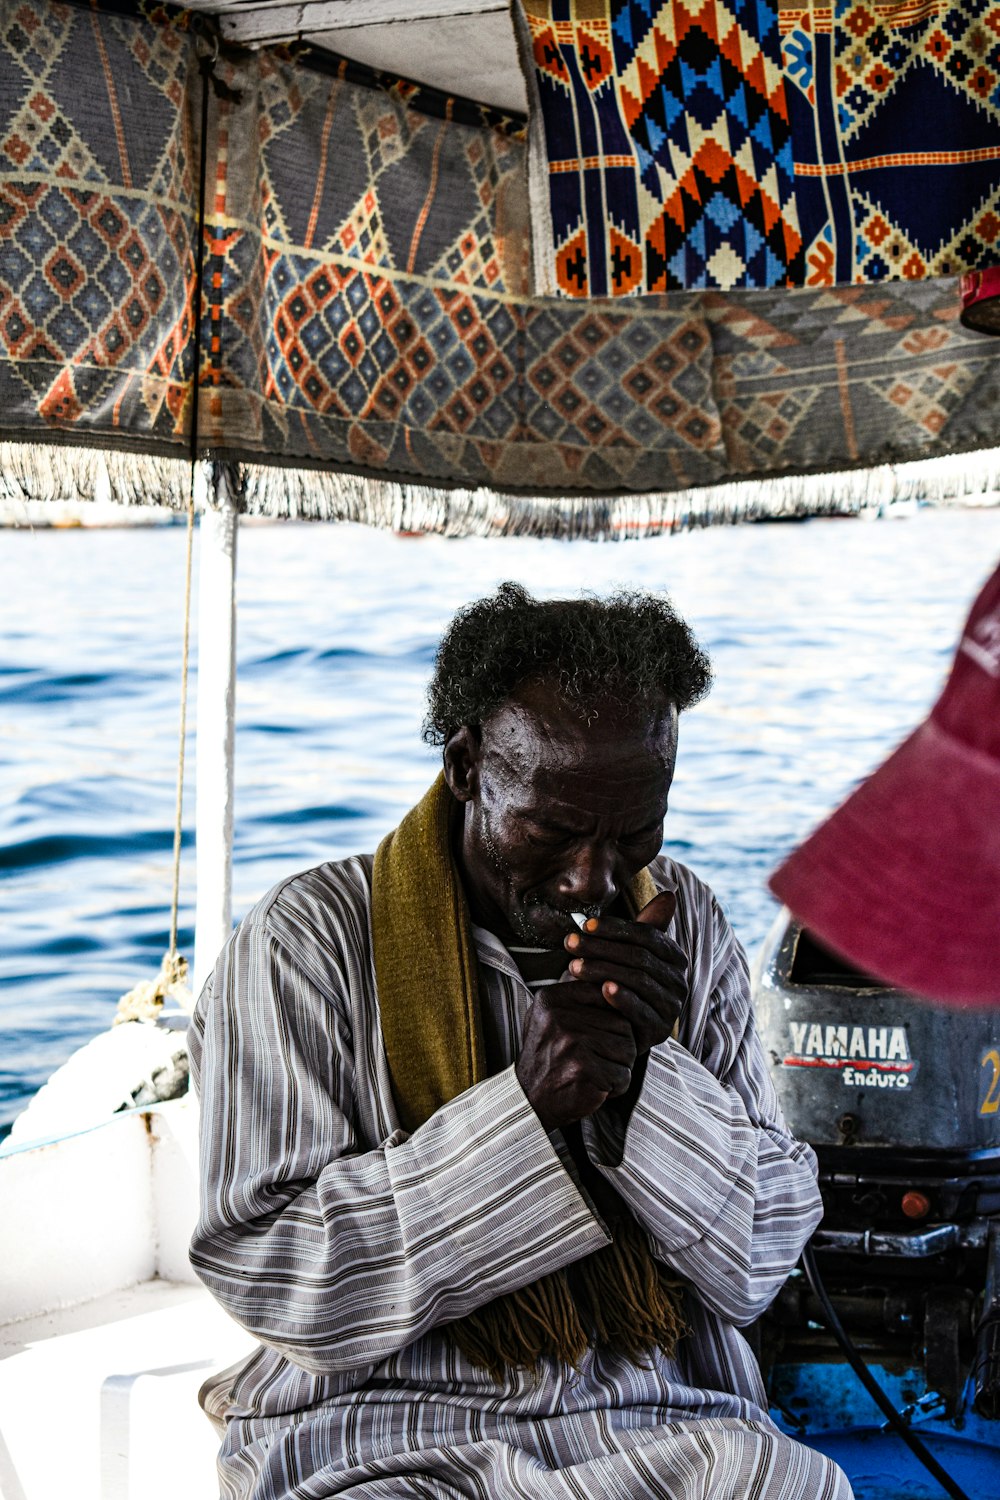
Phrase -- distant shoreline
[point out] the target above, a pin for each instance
(70, 515)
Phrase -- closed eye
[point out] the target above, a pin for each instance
(552, 839)
(643, 835)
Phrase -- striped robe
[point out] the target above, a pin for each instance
(344, 1244)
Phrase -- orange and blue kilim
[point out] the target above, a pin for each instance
(895, 114)
(669, 124)
(758, 143)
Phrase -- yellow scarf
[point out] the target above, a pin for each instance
(426, 971)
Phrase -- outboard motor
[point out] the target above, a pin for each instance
(900, 1099)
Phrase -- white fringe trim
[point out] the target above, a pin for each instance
(317, 495)
(54, 471)
(36, 472)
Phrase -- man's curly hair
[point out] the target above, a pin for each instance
(630, 649)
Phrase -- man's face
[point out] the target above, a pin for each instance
(559, 814)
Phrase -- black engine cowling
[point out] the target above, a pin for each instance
(900, 1099)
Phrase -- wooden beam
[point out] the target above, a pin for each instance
(257, 23)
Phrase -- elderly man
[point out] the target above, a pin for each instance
(491, 1163)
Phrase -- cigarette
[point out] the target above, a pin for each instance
(580, 918)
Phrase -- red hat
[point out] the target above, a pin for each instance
(903, 880)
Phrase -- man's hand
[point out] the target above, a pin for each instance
(576, 1053)
(641, 972)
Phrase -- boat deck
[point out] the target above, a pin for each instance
(99, 1401)
(105, 1333)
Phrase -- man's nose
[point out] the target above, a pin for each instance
(589, 879)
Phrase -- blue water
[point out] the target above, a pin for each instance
(830, 640)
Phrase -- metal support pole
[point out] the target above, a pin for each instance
(216, 723)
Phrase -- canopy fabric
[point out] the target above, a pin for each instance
(99, 157)
(759, 143)
(366, 311)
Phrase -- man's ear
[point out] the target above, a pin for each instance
(461, 762)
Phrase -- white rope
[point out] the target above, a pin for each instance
(145, 1000)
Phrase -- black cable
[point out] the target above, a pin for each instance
(871, 1385)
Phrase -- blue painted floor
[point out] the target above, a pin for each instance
(825, 1406)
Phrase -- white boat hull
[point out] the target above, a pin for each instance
(105, 1334)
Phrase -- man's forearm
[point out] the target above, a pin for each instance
(384, 1246)
(728, 1202)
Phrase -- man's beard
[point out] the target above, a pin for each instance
(518, 912)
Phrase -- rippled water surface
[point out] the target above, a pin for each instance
(830, 639)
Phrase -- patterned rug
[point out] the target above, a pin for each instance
(366, 307)
(761, 143)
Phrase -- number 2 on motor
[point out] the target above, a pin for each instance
(991, 1103)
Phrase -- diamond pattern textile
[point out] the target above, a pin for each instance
(760, 143)
(366, 304)
(97, 219)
